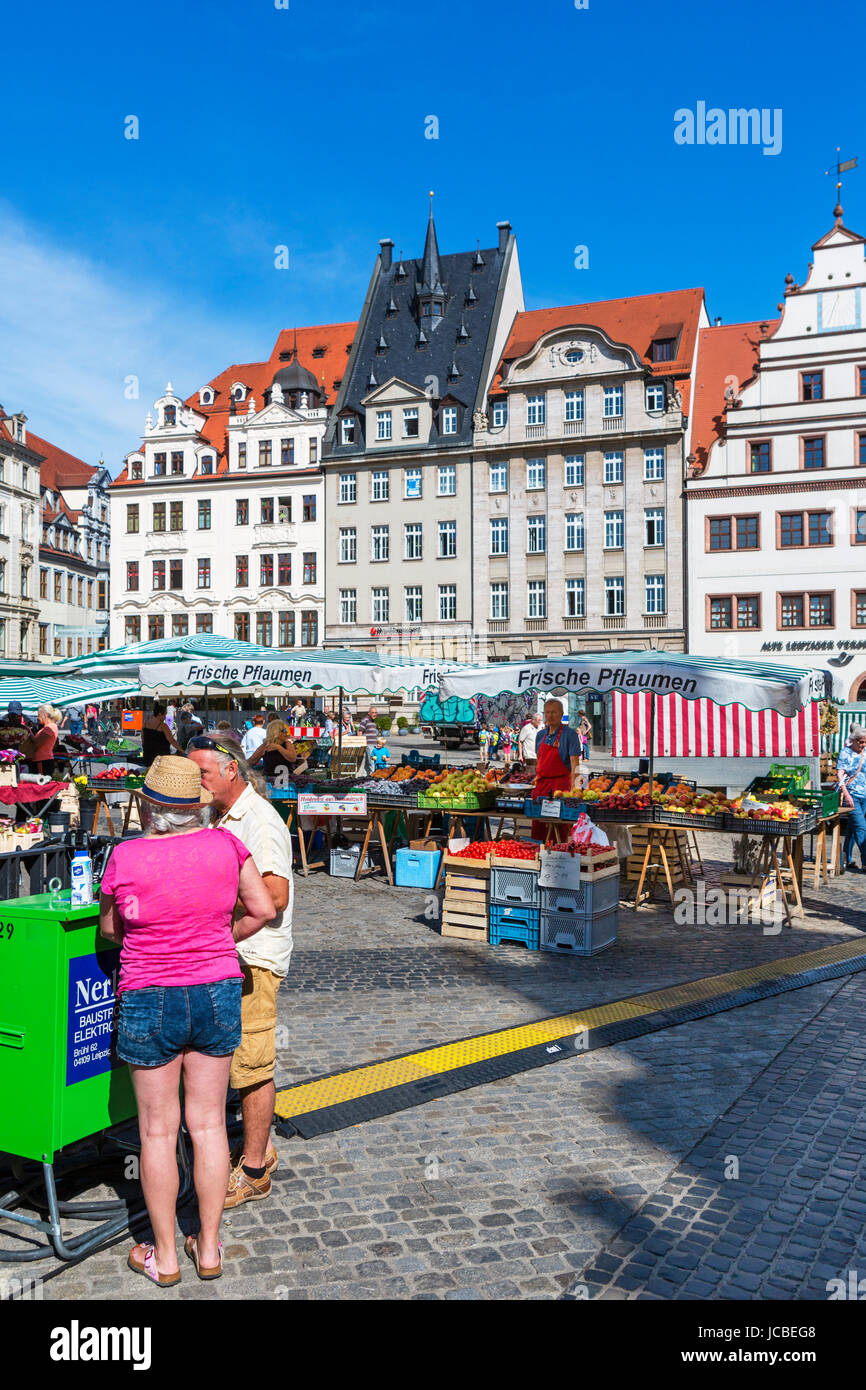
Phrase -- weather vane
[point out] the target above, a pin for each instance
(842, 166)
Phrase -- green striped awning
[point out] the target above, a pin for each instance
(33, 691)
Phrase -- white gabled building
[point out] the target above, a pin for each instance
(777, 484)
(219, 516)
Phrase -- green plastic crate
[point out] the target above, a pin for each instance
(826, 801)
(472, 801)
(799, 773)
(771, 786)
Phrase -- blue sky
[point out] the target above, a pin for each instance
(305, 127)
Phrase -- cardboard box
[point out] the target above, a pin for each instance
(430, 843)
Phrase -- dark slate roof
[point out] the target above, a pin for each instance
(445, 344)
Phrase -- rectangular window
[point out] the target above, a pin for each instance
(286, 629)
(614, 596)
(664, 350)
(265, 629)
(536, 598)
(791, 529)
(380, 543)
(574, 402)
(412, 482)
(721, 610)
(614, 530)
(613, 467)
(536, 535)
(654, 525)
(242, 456)
(242, 512)
(308, 512)
(175, 574)
(381, 606)
(347, 431)
(654, 593)
(43, 639)
(159, 516)
(383, 426)
(348, 487)
(204, 574)
(176, 516)
(535, 474)
(821, 610)
(266, 512)
(242, 627)
(264, 453)
(655, 397)
(412, 603)
(811, 386)
(813, 452)
(204, 622)
(43, 584)
(207, 463)
(720, 533)
(447, 540)
(859, 536)
(348, 605)
(820, 528)
(309, 629)
(499, 535)
(574, 535)
(131, 630)
(449, 419)
(284, 510)
(760, 456)
(242, 571)
(792, 610)
(158, 574)
(748, 533)
(204, 514)
(498, 477)
(58, 583)
(179, 625)
(653, 465)
(861, 381)
(861, 449)
(90, 593)
(410, 422)
(284, 569)
(575, 598)
(348, 545)
(500, 414)
(446, 480)
(287, 452)
(156, 629)
(499, 601)
(748, 611)
(860, 608)
(266, 571)
(177, 462)
(381, 487)
(574, 470)
(535, 410)
(612, 402)
(309, 560)
(447, 603)
(159, 465)
(412, 536)
(80, 592)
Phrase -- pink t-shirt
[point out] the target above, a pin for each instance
(176, 896)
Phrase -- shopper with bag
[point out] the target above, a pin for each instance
(851, 772)
(558, 752)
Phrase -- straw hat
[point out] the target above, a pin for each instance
(173, 781)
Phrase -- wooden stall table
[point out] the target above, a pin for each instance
(102, 808)
(826, 865)
(353, 807)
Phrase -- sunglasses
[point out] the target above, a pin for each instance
(203, 743)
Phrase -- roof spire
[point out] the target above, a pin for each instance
(431, 275)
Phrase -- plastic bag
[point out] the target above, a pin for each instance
(586, 832)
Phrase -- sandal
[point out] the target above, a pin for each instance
(147, 1267)
(203, 1271)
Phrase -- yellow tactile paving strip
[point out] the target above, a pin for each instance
(382, 1076)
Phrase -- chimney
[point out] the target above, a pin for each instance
(387, 246)
(718, 322)
(504, 229)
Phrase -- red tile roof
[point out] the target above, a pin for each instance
(635, 321)
(727, 357)
(335, 338)
(59, 469)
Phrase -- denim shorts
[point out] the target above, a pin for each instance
(156, 1024)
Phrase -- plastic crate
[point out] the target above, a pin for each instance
(420, 760)
(579, 936)
(799, 774)
(344, 861)
(753, 825)
(473, 801)
(514, 887)
(826, 801)
(769, 786)
(689, 820)
(416, 868)
(520, 924)
(589, 897)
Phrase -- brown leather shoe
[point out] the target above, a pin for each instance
(272, 1161)
(242, 1188)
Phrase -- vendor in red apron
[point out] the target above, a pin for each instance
(558, 750)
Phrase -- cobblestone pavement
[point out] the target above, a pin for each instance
(522, 1187)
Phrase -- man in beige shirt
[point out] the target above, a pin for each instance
(264, 959)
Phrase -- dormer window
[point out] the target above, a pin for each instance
(239, 392)
(347, 430)
(318, 352)
(207, 463)
(663, 350)
(136, 472)
(169, 415)
(205, 396)
(449, 419)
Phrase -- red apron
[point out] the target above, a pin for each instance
(552, 776)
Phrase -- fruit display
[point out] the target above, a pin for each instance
(745, 808)
(456, 785)
(110, 774)
(583, 851)
(503, 849)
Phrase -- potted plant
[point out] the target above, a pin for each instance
(402, 723)
(86, 803)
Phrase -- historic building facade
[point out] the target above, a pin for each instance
(219, 516)
(776, 496)
(578, 464)
(398, 448)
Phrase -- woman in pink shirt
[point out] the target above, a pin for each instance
(170, 899)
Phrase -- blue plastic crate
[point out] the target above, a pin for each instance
(589, 897)
(417, 868)
(514, 887)
(521, 924)
(565, 932)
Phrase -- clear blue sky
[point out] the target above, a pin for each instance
(155, 258)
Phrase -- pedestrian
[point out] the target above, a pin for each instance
(370, 729)
(507, 744)
(851, 774)
(527, 740)
(73, 719)
(254, 737)
(277, 753)
(347, 725)
(584, 729)
(92, 721)
(188, 725)
(171, 714)
(264, 960)
(38, 748)
(179, 989)
(558, 753)
(484, 744)
(299, 712)
(157, 740)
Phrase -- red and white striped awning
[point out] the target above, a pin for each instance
(703, 729)
(307, 730)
